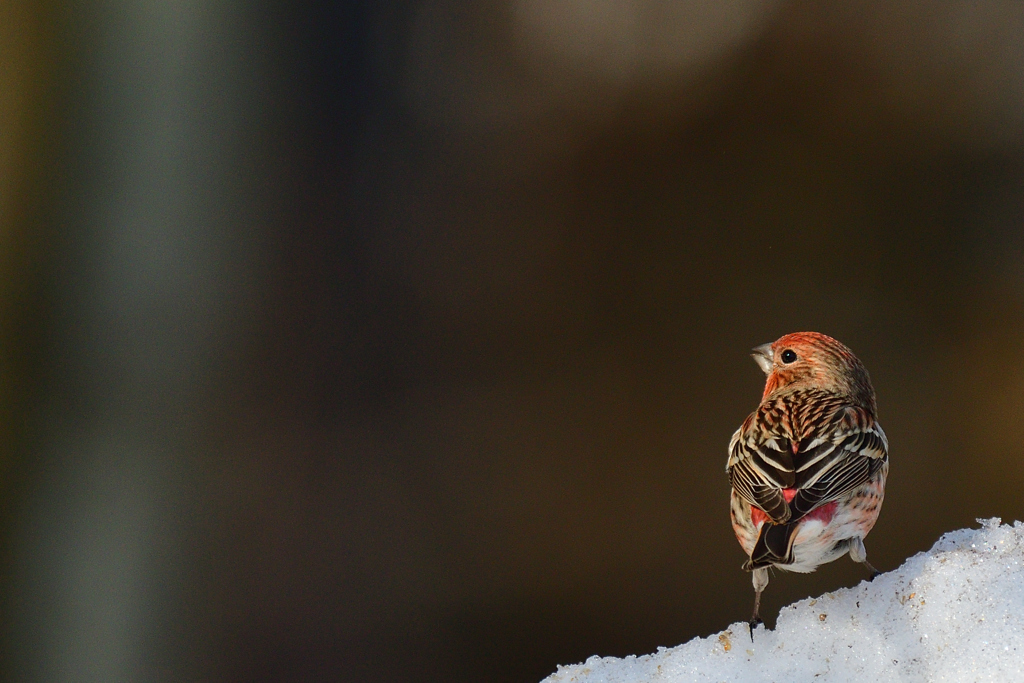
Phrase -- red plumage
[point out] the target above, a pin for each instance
(808, 467)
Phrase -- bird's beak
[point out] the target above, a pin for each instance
(762, 355)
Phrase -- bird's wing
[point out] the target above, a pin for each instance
(759, 469)
(832, 466)
(761, 465)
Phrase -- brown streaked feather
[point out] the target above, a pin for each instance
(810, 440)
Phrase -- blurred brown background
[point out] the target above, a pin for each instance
(403, 341)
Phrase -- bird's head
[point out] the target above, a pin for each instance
(814, 360)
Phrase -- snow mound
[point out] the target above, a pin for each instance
(954, 613)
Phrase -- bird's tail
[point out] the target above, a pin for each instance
(774, 546)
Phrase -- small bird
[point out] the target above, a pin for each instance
(808, 466)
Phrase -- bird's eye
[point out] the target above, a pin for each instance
(788, 356)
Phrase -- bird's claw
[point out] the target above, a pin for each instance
(752, 624)
(871, 568)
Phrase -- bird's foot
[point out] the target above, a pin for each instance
(874, 572)
(752, 624)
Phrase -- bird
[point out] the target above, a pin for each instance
(808, 467)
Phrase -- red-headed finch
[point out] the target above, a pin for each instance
(808, 466)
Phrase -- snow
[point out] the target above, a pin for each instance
(954, 613)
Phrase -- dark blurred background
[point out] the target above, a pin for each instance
(403, 341)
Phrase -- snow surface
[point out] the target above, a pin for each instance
(954, 613)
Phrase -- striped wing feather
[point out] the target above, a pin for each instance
(854, 458)
(842, 452)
